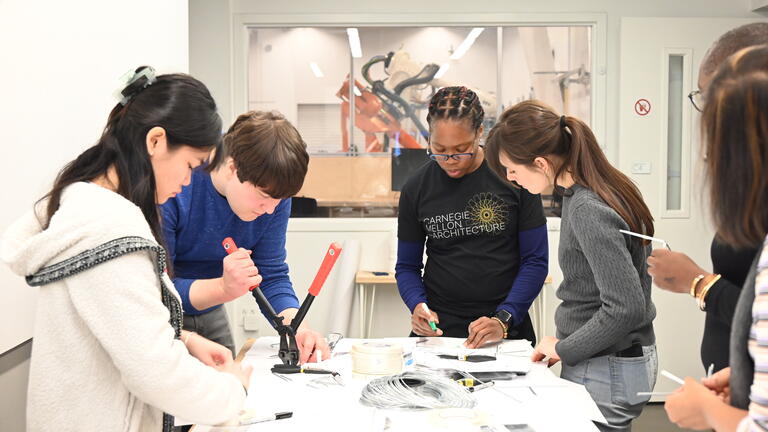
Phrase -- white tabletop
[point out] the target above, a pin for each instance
(540, 400)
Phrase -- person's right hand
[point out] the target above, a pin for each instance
(207, 351)
(240, 274)
(420, 321)
(673, 271)
(719, 382)
(241, 372)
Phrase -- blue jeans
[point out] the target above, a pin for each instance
(613, 382)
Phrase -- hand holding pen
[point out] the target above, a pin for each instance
(673, 271)
(424, 321)
(687, 406)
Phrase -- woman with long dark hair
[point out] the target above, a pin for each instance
(108, 351)
(604, 325)
(734, 123)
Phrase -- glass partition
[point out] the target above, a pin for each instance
(359, 95)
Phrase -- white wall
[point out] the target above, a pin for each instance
(61, 62)
(60, 69)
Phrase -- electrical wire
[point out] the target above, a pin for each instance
(416, 391)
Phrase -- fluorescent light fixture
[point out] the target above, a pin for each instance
(443, 69)
(467, 43)
(356, 91)
(316, 70)
(354, 42)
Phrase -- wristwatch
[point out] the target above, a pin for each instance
(504, 318)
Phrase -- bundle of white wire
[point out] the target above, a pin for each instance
(416, 391)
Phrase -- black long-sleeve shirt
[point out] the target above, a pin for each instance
(733, 265)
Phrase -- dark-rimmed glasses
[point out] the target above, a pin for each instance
(697, 99)
(443, 157)
(438, 157)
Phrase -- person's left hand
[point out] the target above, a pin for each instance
(685, 407)
(312, 346)
(482, 331)
(546, 349)
(720, 384)
(208, 351)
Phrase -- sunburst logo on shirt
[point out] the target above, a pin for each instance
(488, 210)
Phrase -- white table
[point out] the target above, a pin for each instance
(540, 399)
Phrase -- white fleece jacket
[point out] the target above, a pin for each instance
(104, 357)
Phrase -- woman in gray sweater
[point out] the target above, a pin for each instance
(604, 325)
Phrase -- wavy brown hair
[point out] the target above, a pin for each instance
(532, 129)
(735, 129)
(268, 152)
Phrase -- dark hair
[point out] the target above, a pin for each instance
(532, 129)
(731, 42)
(267, 151)
(177, 103)
(735, 129)
(456, 103)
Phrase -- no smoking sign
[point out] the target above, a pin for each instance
(642, 107)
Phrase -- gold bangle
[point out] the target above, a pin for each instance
(503, 326)
(701, 299)
(695, 282)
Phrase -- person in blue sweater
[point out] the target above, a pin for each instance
(486, 240)
(242, 193)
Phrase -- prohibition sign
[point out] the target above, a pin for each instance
(642, 107)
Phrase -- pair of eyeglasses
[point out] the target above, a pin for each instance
(444, 157)
(697, 99)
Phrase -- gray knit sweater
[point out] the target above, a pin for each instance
(606, 289)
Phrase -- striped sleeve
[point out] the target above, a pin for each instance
(757, 420)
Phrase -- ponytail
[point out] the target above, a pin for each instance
(531, 129)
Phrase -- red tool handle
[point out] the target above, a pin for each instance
(325, 268)
(231, 247)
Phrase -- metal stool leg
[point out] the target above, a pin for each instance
(369, 330)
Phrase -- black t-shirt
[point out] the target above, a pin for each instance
(733, 265)
(470, 225)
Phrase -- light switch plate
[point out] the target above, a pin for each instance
(641, 167)
(251, 320)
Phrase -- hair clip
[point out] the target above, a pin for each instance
(131, 77)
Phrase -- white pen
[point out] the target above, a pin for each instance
(710, 370)
(318, 356)
(275, 416)
(654, 393)
(642, 236)
(673, 377)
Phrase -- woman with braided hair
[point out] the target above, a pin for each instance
(486, 241)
